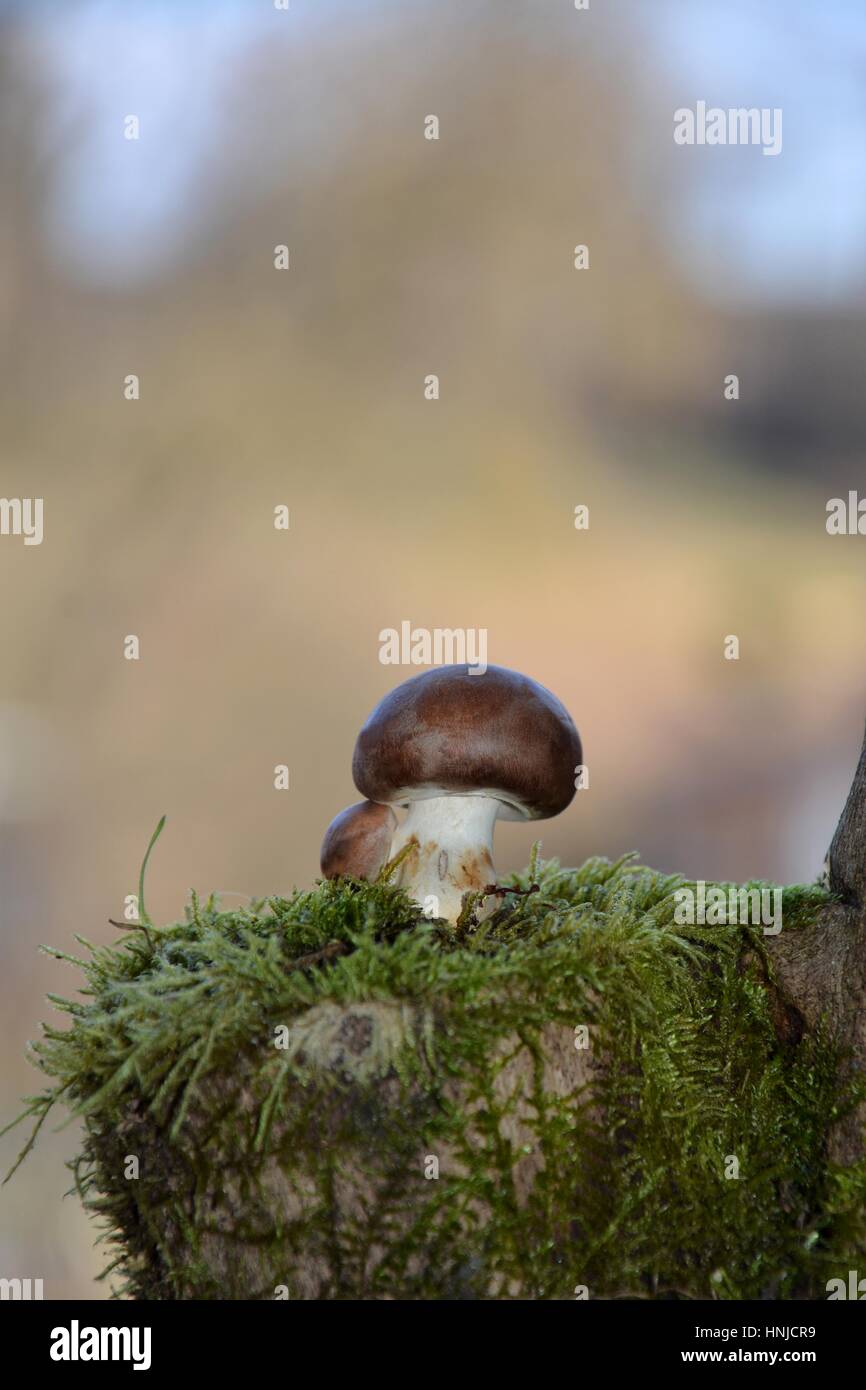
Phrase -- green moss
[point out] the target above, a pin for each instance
(307, 1165)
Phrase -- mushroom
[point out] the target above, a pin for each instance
(462, 751)
(357, 841)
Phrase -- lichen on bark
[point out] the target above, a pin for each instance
(330, 1097)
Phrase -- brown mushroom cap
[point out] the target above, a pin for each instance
(449, 733)
(358, 840)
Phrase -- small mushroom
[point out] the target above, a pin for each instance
(357, 841)
(462, 751)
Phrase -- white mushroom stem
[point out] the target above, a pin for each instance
(452, 839)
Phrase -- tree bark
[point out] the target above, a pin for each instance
(821, 971)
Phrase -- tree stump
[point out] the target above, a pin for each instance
(328, 1096)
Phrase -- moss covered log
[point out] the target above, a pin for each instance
(329, 1096)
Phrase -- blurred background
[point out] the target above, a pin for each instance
(558, 388)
